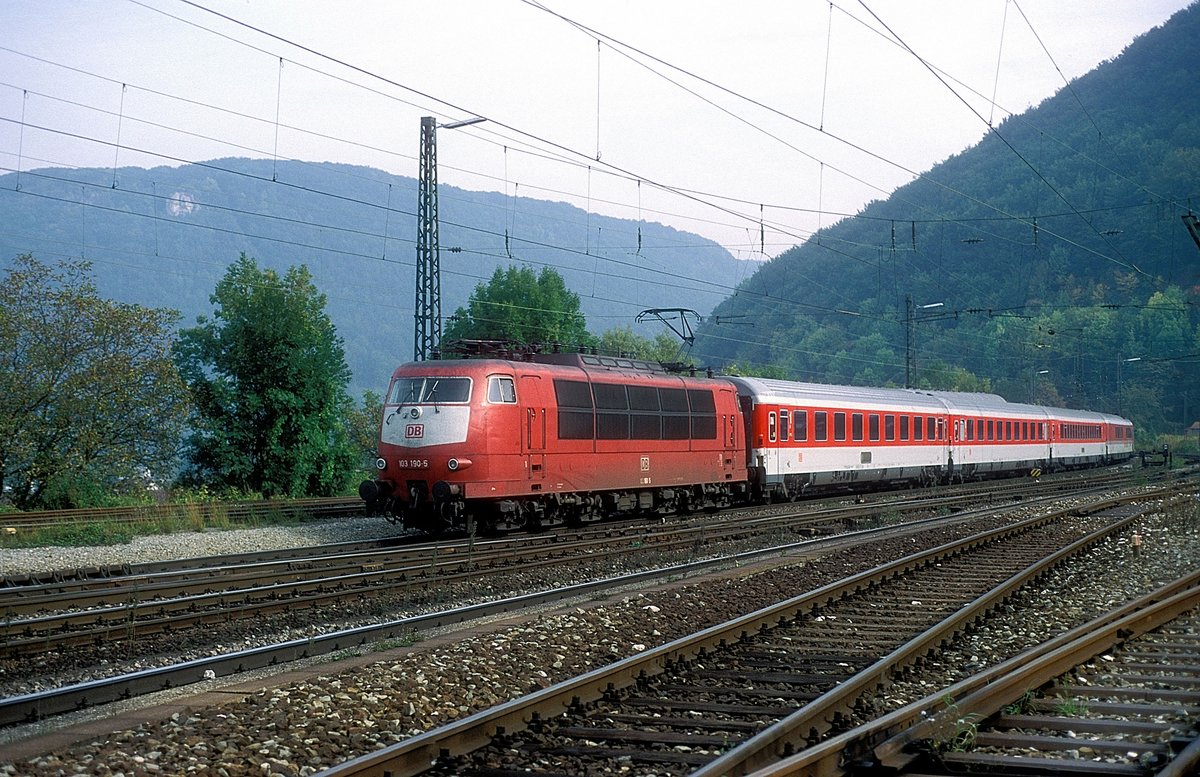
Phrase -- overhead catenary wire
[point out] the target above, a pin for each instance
(760, 221)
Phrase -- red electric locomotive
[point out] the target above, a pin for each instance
(492, 444)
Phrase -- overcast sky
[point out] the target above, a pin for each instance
(709, 116)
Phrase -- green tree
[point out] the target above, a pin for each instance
(90, 401)
(623, 341)
(518, 306)
(362, 428)
(268, 377)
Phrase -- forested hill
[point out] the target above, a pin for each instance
(163, 237)
(1055, 246)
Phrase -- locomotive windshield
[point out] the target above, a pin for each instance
(429, 390)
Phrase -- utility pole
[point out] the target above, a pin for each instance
(910, 357)
(910, 349)
(427, 332)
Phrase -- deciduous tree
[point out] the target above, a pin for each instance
(518, 306)
(268, 377)
(90, 400)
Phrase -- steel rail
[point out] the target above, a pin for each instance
(149, 513)
(321, 507)
(886, 742)
(415, 755)
(790, 734)
(139, 608)
(30, 707)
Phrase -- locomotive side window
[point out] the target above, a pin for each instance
(873, 427)
(889, 427)
(931, 428)
(918, 428)
(903, 427)
(839, 426)
(784, 428)
(612, 411)
(801, 425)
(979, 429)
(820, 425)
(970, 428)
(575, 421)
(704, 414)
(856, 426)
(501, 389)
(675, 422)
(645, 418)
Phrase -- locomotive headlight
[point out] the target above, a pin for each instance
(454, 465)
(381, 464)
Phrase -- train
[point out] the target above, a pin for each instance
(492, 444)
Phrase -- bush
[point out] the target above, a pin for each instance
(72, 491)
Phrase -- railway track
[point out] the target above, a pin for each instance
(833, 508)
(37, 705)
(196, 512)
(782, 677)
(201, 513)
(86, 611)
(1115, 696)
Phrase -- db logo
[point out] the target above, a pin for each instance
(414, 430)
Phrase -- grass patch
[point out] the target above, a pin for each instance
(1071, 707)
(956, 732)
(72, 535)
(146, 520)
(1022, 706)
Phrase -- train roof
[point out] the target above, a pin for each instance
(784, 391)
(959, 402)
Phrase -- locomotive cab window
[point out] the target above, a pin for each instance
(501, 389)
(429, 390)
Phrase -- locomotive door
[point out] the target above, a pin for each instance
(533, 425)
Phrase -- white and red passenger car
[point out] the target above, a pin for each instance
(565, 438)
(806, 435)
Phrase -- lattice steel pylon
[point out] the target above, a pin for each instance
(427, 334)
